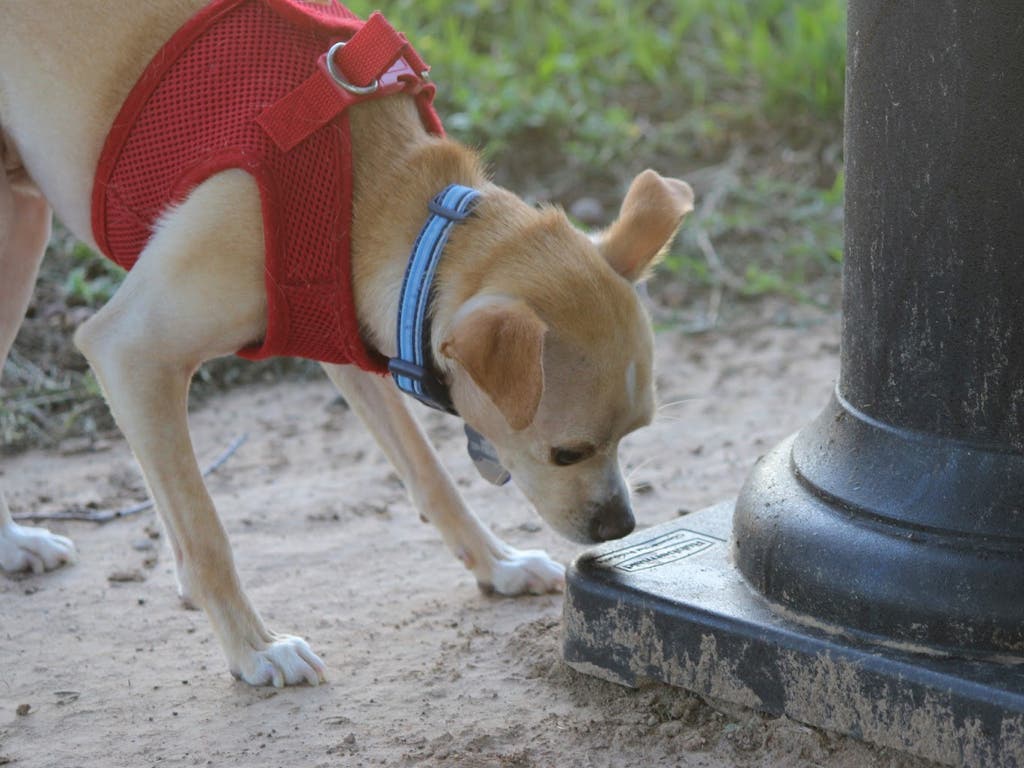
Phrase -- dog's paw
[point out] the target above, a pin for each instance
(185, 592)
(520, 572)
(287, 660)
(23, 548)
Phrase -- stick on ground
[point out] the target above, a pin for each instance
(106, 515)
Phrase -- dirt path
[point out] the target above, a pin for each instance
(425, 670)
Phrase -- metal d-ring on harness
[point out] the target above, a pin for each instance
(339, 78)
(412, 368)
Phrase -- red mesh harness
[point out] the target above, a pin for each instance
(247, 84)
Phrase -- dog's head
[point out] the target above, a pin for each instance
(549, 354)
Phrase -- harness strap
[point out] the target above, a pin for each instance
(371, 51)
(375, 54)
(412, 368)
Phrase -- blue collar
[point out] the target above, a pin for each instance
(412, 368)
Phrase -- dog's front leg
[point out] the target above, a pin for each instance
(148, 399)
(195, 293)
(496, 565)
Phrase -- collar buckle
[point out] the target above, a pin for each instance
(431, 390)
(438, 208)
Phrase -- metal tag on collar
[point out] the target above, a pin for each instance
(485, 458)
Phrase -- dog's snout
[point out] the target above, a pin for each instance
(612, 520)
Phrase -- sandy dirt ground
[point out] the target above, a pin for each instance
(101, 666)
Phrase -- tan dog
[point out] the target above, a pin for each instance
(537, 327)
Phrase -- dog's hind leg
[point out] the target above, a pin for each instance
(497, 566)
(24, 231)
(196, 292)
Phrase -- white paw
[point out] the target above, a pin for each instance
(288, 660)
(33, 549)
(520, 572)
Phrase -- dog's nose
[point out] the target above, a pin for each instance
(613, 520)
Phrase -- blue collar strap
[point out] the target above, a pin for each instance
(412, 368)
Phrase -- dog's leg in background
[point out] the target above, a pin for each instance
(24, 231)
(196, 292)
(496, 565)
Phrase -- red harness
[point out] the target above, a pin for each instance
(247, 84)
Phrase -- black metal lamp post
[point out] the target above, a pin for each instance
(877, 575)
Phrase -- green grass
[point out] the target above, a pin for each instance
(592, 73)
(91, 280)
(774, 237)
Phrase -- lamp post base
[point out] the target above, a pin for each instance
(667, 604)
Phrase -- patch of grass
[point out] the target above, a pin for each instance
(602, 79)
(92, 279)
(41, 406)
(765, 235)
(791, 53)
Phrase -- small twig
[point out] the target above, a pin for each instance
(714, 305)
(722, 273)
(726, 180)
(25, 367)
(106, 515)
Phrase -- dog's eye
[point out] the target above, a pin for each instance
(564, 457)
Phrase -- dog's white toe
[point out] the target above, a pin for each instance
(288, 660)
(23, 548)
(520, 572)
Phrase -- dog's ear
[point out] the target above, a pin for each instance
(500, 344)
(652, 211)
